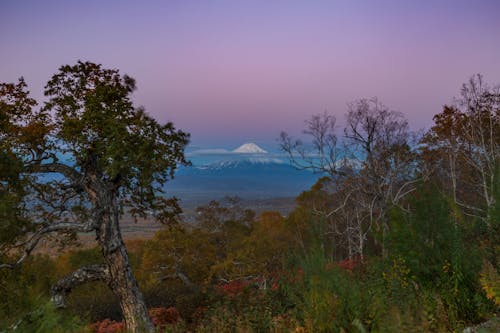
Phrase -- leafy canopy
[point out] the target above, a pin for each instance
(90, 133)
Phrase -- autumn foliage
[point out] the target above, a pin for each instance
(401, 234)
(162, 317)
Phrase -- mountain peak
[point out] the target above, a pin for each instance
(249, 148)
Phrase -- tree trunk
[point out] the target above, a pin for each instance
(122, 281)
(124, 285)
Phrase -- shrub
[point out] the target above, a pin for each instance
(164, 319)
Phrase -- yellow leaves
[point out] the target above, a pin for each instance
(264, 247)
(490, 282)
(446, 267)
(176, 250)
(398, 274)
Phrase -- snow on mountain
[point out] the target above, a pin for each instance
(249, 148)
(247, 175)
(247, 162)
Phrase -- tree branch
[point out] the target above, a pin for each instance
(67, 171)
(82, 275)
(181, 276)
(34, 239)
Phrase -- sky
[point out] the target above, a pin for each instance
(233, 71)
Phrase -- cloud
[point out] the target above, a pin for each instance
(214, 151)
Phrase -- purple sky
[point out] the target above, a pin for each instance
(236, 71)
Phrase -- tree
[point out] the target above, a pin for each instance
(179, 254)
(381, 138)
(375, 168)
(462, 149)
(322, 154)
(13, 222)
(227, 222)
(86, 157)
(260, 256)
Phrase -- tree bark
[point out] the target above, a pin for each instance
(122, 281)
(124, 285)
(116, 271)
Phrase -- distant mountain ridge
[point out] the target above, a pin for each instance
(241, 163)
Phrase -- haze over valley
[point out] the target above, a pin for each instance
(248, 172)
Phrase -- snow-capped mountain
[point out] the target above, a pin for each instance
(248, 171)
(249, 176)
(249, 148)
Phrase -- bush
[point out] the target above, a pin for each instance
(46, 319)
(434, 244)
(164, 319)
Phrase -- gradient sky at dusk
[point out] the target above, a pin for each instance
(236, 71)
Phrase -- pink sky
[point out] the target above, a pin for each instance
(237, 71)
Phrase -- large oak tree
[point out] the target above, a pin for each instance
(78, 164)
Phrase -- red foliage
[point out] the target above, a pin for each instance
(290, 277)
(199, 314)
(107, 326)
(350, 264)
(300, 275)
(161, 318)
(164, 316)
(233, 288)
(274, 279)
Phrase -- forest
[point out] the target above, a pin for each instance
(401, 232)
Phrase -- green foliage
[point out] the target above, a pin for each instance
(23, 287)
(495, 209)
(235, 272)
(252, 310)
(98, 125)
(46, 319)
(217, 215)
(490, 238)
(308, 229)
(427, 237)
(490, 282)
(13, 219)
(261, 254)
(92, 301)
(325, 297)
(87, 129)
(78, 161)
(428, 283)
(430, 241)
(178, 250)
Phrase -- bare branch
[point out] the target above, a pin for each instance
(321, 154)
(34, 239)
(330, 213)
